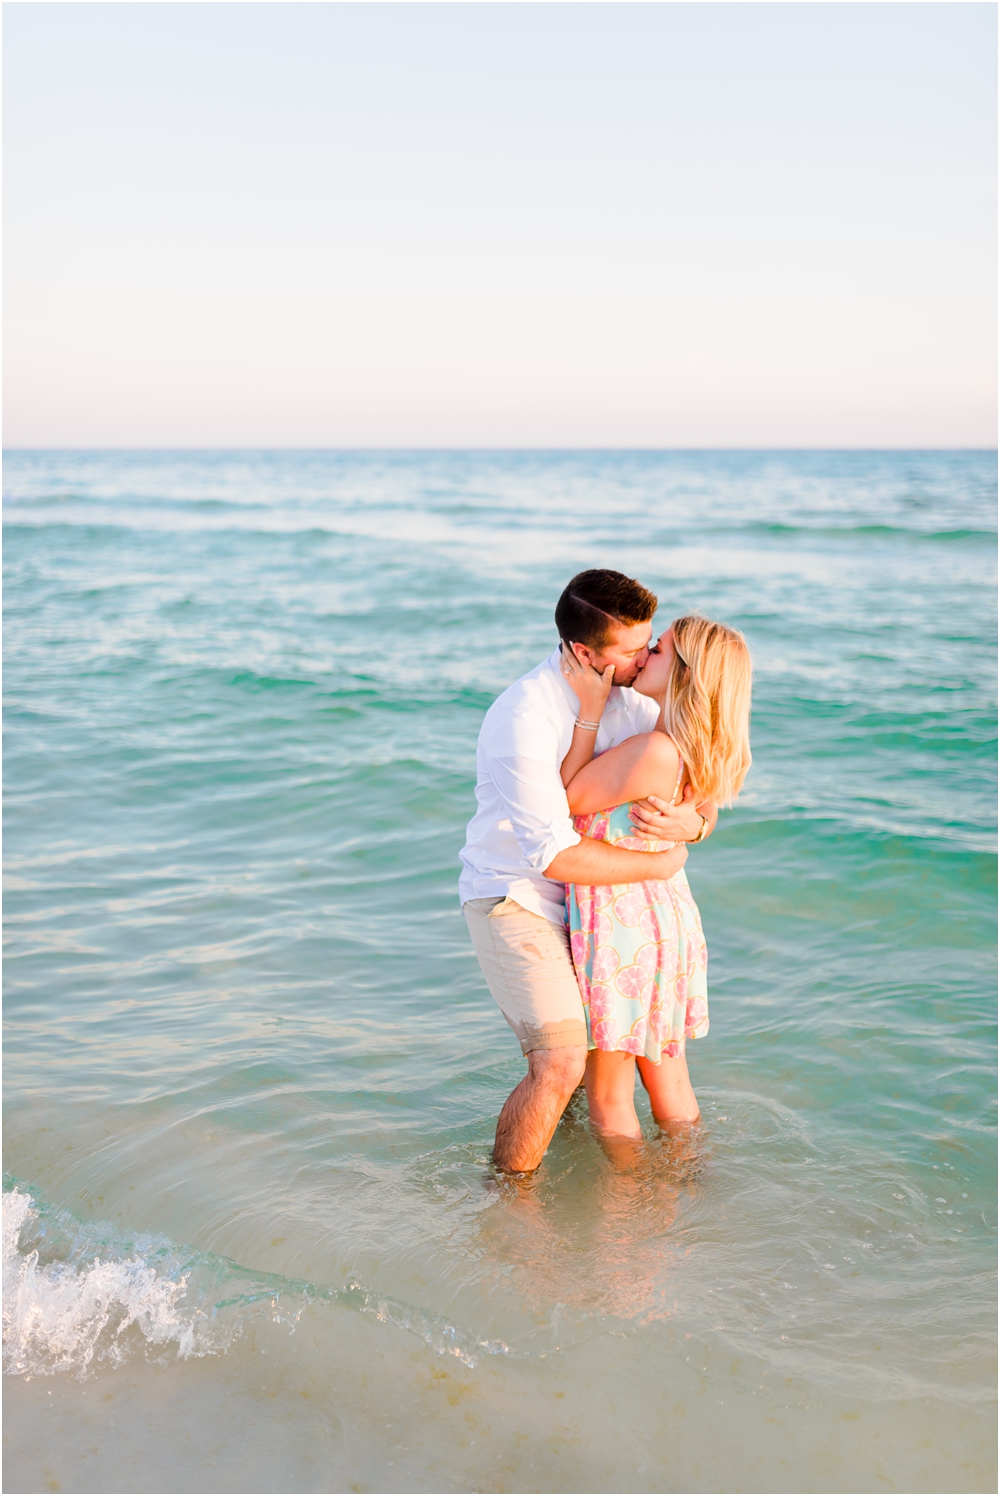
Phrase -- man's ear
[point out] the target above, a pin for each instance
(583, 653)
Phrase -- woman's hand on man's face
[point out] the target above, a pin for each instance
(591, 686)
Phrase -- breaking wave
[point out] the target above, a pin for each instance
(79, 1295)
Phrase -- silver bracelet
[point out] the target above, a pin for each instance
(587, 726)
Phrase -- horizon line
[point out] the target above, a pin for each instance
(477, 448)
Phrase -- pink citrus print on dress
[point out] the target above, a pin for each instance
(602, 1000)
(602, 927)
(605, 962)
(628, 908)
(632, 981)
(639, 952)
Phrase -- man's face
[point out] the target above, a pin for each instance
(627, 649)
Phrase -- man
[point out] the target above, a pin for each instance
(521, 848)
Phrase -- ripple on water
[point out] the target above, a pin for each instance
(244, 693)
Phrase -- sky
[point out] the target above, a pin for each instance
(500, 225)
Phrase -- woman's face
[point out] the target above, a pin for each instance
(652, 679)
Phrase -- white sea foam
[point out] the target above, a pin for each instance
(81, 1307)
(61, 1315)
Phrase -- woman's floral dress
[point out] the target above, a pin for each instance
(639, 951)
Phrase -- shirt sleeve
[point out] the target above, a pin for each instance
(535, 801)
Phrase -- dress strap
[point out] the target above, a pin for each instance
(680, 776)
(680, 770)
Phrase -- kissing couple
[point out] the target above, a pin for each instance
(595, 772)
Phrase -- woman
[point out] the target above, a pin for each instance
(638, 949)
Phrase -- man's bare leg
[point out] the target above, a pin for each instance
(532, 1110)
(670, 1091)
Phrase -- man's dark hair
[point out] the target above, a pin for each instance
(595, 602)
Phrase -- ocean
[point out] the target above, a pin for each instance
(252, 1238)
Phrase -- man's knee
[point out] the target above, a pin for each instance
(561, 1069)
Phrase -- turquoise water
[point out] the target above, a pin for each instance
(252, 1072)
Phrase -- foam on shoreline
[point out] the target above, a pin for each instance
(76, 1295)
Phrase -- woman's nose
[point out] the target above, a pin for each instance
(642, 657)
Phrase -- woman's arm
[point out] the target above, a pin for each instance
(581, 752)
(592, 692)
(644, 765)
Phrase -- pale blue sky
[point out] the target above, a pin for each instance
(500, 224)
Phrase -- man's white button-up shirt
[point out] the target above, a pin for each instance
(523, 820)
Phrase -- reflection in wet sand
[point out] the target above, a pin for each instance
(597, 1237)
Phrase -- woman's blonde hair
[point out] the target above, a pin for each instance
(706, 707)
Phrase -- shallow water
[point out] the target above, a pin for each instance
(252, 1072)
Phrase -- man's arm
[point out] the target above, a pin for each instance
(533, 796)
(594, 863)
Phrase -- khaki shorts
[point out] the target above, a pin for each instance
(529, 971)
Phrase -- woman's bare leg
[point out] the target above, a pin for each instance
(610, 1083)
(669, 1087)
